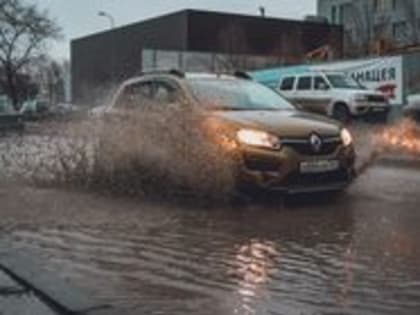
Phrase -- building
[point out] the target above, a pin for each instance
(190, 39)
(374, 26)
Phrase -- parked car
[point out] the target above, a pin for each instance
(278, 146)
(334, 94)
(10, 119)
(65, 111)
(35, 109)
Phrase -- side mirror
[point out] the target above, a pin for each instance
(323, 87)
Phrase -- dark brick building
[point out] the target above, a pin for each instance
(111, 56)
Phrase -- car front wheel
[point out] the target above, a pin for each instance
(341, 113)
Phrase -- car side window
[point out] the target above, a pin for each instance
(135, 95)
(304, 83)
(165, 93)
(287, 84)
(320, 83)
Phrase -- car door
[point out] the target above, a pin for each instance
(303, 92)
(131, 102)
(286, 87)
(321, 95)
(134, 96)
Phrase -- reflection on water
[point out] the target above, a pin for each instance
(255, 262)
(262, 259)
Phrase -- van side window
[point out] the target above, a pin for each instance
(304, 83)
(320, 83)
(287, 84)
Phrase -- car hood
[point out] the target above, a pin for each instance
(284, 123)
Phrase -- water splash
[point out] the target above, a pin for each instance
(140, 152)
(402, 137)
(373, 143)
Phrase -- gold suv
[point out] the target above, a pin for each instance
(278, 146)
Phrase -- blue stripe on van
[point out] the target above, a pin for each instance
(271, 77)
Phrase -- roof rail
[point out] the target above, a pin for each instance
(175, 72)
(242, 75)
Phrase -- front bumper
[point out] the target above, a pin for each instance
(370, 109)
(280, 170)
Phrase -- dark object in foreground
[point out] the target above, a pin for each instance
(35, 109)
(413, 111)
(11, 123)
(10, 120)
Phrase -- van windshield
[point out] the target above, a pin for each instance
(340, 81)
(219, 94)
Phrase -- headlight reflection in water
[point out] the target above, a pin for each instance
(255, 264)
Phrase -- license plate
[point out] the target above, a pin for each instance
(319, 166)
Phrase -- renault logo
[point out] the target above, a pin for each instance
(315, 142)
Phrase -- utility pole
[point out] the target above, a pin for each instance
(262, 10)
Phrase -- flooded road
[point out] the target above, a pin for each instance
(355, 254)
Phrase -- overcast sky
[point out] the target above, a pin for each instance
(80, 17)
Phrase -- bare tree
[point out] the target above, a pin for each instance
(410, 10)
(360, 16)
(24, 29)
(371, 33)
(50, 77)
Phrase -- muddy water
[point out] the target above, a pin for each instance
(357, 254)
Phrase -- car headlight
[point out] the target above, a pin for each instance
(258, 139)
(360, 97)
(346, 137)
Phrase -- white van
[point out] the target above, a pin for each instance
(333, 94)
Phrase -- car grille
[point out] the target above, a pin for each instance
(297, 179)
(376, 98)
(329, 146)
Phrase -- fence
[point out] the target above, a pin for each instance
(200, 61)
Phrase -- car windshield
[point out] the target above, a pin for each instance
(340, 81)
(228, 94)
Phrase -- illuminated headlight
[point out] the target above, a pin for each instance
(346, 137)
(360, 98)
(258, 139)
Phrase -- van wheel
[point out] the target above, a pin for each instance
(341, 113)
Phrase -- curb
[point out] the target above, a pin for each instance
(61, 297)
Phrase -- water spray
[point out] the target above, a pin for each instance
(402, 138)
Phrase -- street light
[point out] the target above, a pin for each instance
(262, 10)
(113, 49)
(109, 17)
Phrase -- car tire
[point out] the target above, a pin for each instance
(341, 113)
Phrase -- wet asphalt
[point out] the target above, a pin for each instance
(355, 253)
